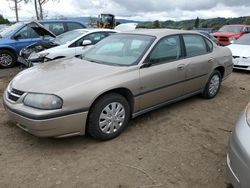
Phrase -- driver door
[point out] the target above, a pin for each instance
(24, 37)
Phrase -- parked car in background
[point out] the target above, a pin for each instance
(69, 44)
(61, 26)
(207, 34)
(208, 30)
(122, 76)
(126, 27)
(20, 35)
(241, 52)
(238, 157)
(228, 34)
(16, 37)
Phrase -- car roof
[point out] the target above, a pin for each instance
(62, 21)
(159, 32)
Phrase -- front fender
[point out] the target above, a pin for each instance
(8, 47)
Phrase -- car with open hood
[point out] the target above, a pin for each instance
(121, 77)
(16, 37)
(66, 45)
(22, 34)
(241, 52)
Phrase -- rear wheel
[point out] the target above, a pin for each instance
(108, 117)
(7, 59)
(213, 85)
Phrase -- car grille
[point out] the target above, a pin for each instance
(14, 94)
(235, 57)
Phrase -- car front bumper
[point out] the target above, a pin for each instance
(241, 63)
(61, 125)
(238, 158)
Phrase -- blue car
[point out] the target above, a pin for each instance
(20, 35)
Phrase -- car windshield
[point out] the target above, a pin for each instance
(231, 29)
(119, 49)
(68, 36)
(244, 40)
(10, 30)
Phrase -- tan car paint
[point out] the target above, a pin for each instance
(79, 83)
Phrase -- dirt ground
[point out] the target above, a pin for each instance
(183, 145)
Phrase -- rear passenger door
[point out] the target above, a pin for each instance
(199, 61)
(163, 80)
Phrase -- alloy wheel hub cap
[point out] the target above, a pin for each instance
(112, 118)
(5, 60)
(214, 85)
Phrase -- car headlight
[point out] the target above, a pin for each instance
(41, 55)
(248, 114)
(43, 101)
(232, 40)
(37, 55)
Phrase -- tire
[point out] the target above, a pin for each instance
(7, 59)
(213, 85)
(102, 124)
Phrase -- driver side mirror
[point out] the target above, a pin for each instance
(86, 42)
(18, 36)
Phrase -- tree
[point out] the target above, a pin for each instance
(247, 20)
(3, 20)
(39, 8)
(156, 24)
(197, 22)
(16, 7)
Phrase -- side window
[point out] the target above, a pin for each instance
(56, 28)
(195, 45)
(168, 49)
(93, 37)
(27, 33)
(96, 37)
(73, 26)
(209, 45)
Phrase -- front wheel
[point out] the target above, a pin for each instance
(108, 117)
(213, 85)
(7, 59)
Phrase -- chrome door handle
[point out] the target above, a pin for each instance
(180, 67)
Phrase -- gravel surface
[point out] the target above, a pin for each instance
(183, 145)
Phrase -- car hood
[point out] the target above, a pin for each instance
(225, 34)
(40, 29)
(58, 75)
(240, 50)
(36, 47)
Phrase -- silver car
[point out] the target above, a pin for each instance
(238, 158)
(123, 76)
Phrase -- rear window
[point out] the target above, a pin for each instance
(56, 28)
(73, 26)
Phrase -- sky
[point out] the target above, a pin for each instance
(140, 10)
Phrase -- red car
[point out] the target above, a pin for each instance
(229, 33)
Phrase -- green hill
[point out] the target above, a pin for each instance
(214, 23)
